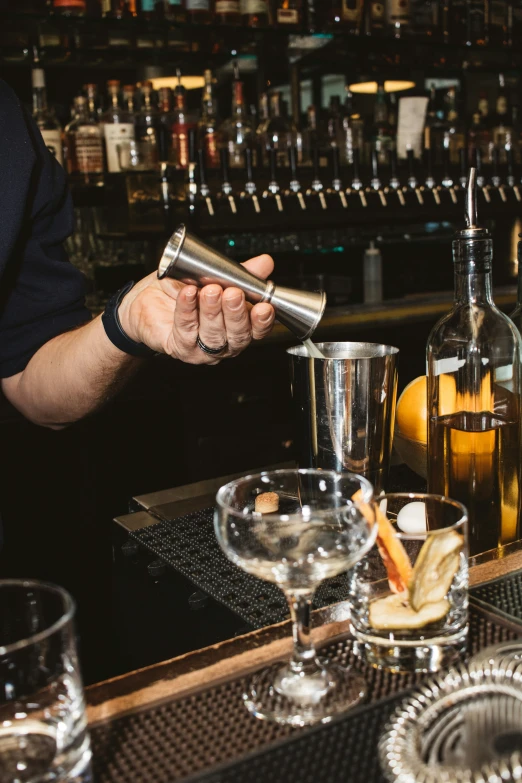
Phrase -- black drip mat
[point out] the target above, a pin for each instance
(504, 594)
(189, 545)
(195, 733)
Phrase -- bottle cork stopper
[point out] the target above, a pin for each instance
(267, 503)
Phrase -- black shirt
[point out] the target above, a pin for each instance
(41, 293)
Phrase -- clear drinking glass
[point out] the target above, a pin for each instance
(43, 728)
(296, 528)
(409, 595)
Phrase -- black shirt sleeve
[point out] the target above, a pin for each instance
(41, 292)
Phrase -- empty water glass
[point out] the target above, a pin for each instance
(43, 727)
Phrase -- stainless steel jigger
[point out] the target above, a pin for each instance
(189, 260)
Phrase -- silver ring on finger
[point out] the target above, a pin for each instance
(208, 350)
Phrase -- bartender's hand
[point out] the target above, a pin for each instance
(168, 316)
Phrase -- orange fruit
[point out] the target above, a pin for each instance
(411, 416)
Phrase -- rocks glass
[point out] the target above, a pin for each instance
(409, 595)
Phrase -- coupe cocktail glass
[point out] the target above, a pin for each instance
(320, 525)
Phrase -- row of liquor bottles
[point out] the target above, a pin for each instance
(471, 22)
(136, 128)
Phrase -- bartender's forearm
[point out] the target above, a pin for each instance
(70, 376)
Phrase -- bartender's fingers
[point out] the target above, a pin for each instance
(212, 330)
(186, 321)
(262, 317)
(261, 266)
(237, 320)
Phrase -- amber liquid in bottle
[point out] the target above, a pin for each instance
(474, 394)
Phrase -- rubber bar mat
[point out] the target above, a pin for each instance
(189, 545)
(503, 594)
(186, 736)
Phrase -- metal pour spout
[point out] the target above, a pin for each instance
(470, 214)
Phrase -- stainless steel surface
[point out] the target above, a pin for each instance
(463, 725)
(188, 259)
(345, 407)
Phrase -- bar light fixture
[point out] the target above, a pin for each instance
(370, 88)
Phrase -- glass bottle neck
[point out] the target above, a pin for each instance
(39, 99)
(472, 258)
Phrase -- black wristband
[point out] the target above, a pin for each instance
(114, 330)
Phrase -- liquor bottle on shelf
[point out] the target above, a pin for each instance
(347, 15)
(129, 92)
(227, 12)
(146, 123)
(479, 138)
(69, 7)
(382, 139)
(278, 134)
(353, 131)
(474, 396)
(312, 138)
(426, 18)
(208, 136)
(500, 22)
(398, 16)
(118, 127)
(93, 100)
(434, 129)
(118, 9)
(198, 11)
(502, 130)
(84, 146)
(183, 123)
(334, 123)
(237, 130)
(455, 138)
(483, 108)
(477, 22)
(255, 13)
(173, 10)
(288, 14)
(375, 21)
(44, 117)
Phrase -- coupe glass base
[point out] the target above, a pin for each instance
(306, 699)
(414, 656)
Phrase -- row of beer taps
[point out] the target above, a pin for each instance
(412, 182)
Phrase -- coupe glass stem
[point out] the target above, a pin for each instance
(304, 657)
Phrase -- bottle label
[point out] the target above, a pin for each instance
(254, 7)
(351, 10)
(174, 2)
(287, 16)
(106, 7)
(180, 144)
(89, 150)
(227, 6)
(377, 12)
(211, 150)
(498, 13)
(198, 5)
(399, 11)
(53, 142)
(502, 105)
(79, 4)
(115, 134)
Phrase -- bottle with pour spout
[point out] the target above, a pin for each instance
(474, 391)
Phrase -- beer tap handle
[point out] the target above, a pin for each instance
(317, 185)
(203, 185)
(356, 179)
(375, 181)
(295, 185)
(191, 172)
(250, 185)
(273, 185)
(336, 181)
(163, 151)
(495, 175)
(463, 167)
(447, 181)
(511, 173)
(226, 187)
(481, 183)
(412, 180)
(394, 179)
(429, 182)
